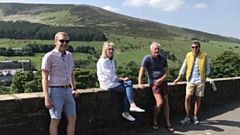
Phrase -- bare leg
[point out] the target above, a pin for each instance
(71, 125)
(166, 113)
(197, 105)
(157, 107)
(187, 105)
(133, 105)
(53, 128)
(166, 109)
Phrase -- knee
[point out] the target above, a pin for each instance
(55, 122)
(72, 119)
(165, 105)
(198, 99)
(159, 104)
(188, 98)
(165, 101)
(129, 82)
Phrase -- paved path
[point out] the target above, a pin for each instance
(221, 120)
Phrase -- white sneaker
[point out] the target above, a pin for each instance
(195, 120)
(136, 109)
(129, 117)
(185, 121)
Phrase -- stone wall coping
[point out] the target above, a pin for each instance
(20, 96)
(91, 90)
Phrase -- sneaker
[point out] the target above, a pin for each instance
(129, 117)
(195, 120)
(185, 121)
(136, 109)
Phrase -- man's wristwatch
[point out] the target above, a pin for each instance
(74, 89)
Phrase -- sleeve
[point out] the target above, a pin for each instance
(72, 60)
(165, 64)
(46, 63)
(144, 62)
(108, 70)
(184, 66)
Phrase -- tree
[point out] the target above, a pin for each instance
(4, 90)
(226, 65)
(70, 48)
(26, 82)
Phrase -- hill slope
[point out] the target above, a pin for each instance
(109, 22)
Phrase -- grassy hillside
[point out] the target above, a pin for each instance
(109, 22)
(178, 46)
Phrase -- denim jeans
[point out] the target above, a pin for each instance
(126, 89)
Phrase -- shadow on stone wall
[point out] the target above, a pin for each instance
(99, 111)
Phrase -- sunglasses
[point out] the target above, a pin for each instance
(62, 41)
(110, 49)
(194, 47)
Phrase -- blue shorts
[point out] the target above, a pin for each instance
(62, 100)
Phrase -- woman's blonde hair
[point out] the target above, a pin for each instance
(105, 47)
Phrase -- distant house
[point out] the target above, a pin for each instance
(16, 49)
(9, 67)
(15, 64)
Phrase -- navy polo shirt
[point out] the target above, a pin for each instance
(154, 67)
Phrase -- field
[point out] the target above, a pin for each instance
(178, 47)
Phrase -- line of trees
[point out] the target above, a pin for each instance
(31, 49)
(27, 30)
(11, 52)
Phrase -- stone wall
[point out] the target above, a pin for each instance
(99, 111)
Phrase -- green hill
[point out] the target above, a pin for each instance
(106, 21)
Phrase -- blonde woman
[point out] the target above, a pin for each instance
(110, 81)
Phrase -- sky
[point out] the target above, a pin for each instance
(220, 17)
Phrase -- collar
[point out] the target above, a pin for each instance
(159, 57)
(108, 59)
(197, 53)
(57, 53)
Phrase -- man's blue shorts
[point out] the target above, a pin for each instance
(62, 100)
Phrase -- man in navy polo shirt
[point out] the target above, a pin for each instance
(157, 69)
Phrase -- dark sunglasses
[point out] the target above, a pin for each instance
(194, 47)
(62, 41)
(111, 49)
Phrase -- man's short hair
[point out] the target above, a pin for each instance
(154, 43)
(196, 42)
(60, 33)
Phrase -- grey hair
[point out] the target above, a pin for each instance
(154, 43)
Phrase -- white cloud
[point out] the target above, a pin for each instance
(165, 5)
(200, 6)
(135, 3)
(109, 8)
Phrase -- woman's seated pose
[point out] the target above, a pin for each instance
(110, 81)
